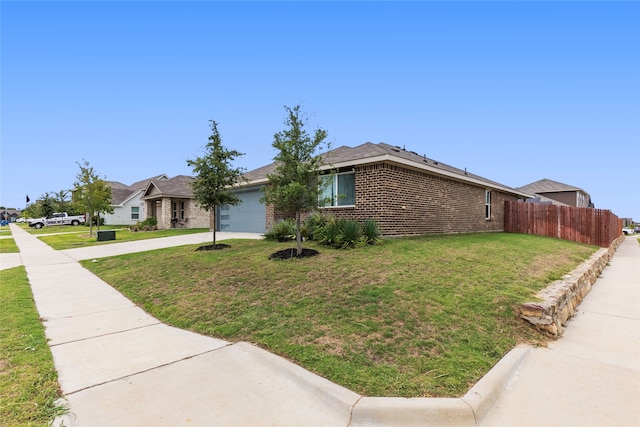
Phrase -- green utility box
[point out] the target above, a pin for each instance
(106, 235)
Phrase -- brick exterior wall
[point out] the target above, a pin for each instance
(197, 217)
(407, 202)
(194, 216)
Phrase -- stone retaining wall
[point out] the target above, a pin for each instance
(561, 298)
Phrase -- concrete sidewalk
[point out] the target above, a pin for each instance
(119, 366)
(590, 376)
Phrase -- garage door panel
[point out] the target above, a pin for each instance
(248, 216)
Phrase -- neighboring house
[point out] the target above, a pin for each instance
(558, 193)
(10, 215)
(404, 192)
(544, 201)
(171, 201)
(627, 222)
(128, 209)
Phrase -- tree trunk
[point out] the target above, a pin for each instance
(298, 236)
(214, 226)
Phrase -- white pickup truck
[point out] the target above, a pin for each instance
(57, 218)
(628, 230)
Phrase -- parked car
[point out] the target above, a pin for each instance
(57, 218)
(21, 220)
(637, 229)
(628, 230)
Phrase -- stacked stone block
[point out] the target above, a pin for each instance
(561, 298)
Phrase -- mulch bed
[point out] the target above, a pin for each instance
(211, 248)
(291, 253)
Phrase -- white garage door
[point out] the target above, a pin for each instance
(249, 216)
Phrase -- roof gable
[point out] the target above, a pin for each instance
(548, 186)
(121, 193)
(178, 186)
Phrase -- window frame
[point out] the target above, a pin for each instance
(135, 215)
(335, 198)
(487, 204)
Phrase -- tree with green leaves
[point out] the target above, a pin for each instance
(294, 186)
(47, 205)
(62, 201)
(91, 194)
(215, 176)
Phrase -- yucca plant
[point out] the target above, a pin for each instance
(350, 234)
(371, 232)
(329, 234)
(313, 224)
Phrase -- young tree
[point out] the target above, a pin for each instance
(294, 187)
(47, 205)
(91, 194)
(215, 175)
(62, 201)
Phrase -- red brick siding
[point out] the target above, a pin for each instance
(404, 202)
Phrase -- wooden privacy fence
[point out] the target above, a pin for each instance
(585, 225)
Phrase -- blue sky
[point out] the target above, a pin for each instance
(513, 91)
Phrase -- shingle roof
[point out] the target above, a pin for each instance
(141, 185)
(116, 184)
(178, 186)
(547, 186)
(120, 192)
(119, 195)
(370, 152)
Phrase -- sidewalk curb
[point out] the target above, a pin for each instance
(484, 394)
(466, 411)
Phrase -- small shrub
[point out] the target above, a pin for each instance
(311, 226)
(152, 221)
(350, 234)
(370, 232)
(282, 231)
(149, 224)
(94, 220)
(329, 234)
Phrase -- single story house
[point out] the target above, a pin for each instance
(171, 201)
(559, 193)
(10, 215)
(404, 192)
(128, 208)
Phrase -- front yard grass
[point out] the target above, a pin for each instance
(28, 380)
(64, 240)
(8, 245)
(411, 317)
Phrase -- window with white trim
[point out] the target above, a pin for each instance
(487, 204)
(135, 212)
(338, 189)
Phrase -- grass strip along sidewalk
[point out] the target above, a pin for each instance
(62, 240)
(28, 380)
(411, 317)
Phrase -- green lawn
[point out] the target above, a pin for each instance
(8, 245)
(64, 240)
(28, 380)
(410, 317)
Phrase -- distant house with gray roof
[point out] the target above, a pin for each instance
(171, 201)
(128, 208)
(404, 192)
(558, 193)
